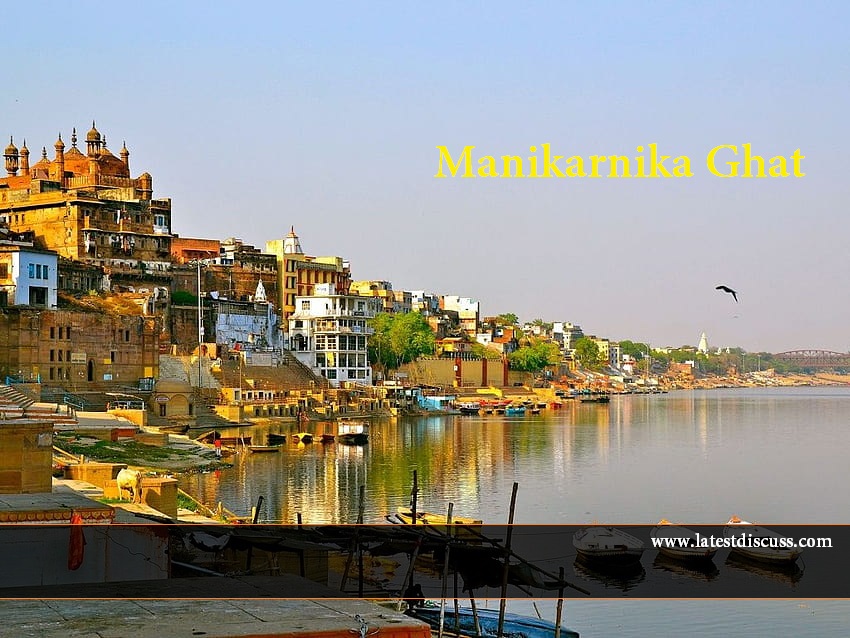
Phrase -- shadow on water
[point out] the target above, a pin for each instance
(624, 577)
(785, 573)
(702, 569)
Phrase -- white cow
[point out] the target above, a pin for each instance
(130, 480)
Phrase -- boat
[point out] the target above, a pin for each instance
(607, 545)
(212, 435)
(404, 516)
(596, 398)
(687, 542)
(514, 625)
(264, 448)
(772, 547)
(174, 428)
(514, 410)
(352, 432)
(326, 438)
(275, 439)
(302, 437)
(469, 407)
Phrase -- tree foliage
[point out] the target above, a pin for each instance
(587, 353)
(399, 339)
(535, 357)
(507, 319)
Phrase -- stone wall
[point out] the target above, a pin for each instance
(26, 456)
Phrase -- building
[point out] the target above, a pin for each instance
(394, 301)
(28, 275)
(328, 332)
(86, 207)
(566, 334)
(78, 349)
(298, 274)
(467, 310)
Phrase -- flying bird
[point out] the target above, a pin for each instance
(729, 290)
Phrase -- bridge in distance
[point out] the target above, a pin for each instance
(815, 358)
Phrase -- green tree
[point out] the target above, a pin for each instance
(535, 356)
(399, 339)
(507, 319)
(587, 353)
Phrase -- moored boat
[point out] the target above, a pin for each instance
(759, 543)
(302, 437)
(514, 626)
(469, 407)
(607, 545)
(596, 398)
(679, 543)
(275, 439)
(352, 432)
(514, 410)
(405, 516)
(263, 448)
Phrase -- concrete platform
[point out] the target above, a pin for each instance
(133, 616)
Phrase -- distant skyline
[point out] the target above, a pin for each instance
(327, 117)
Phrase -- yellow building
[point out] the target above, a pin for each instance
(87, 207)
(298, 273)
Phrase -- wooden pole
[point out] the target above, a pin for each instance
(413, 496)
(361, 504)
(445, 571)
(560, 606)
(255, 516)
(503, 601)
(475, 614)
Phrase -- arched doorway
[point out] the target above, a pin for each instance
(90, 368)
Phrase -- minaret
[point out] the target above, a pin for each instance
(59, 161)
(703, 344)
(291, 244)
(25, 159)
(125, 157)
(11, 155)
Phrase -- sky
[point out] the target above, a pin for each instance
(327, 117)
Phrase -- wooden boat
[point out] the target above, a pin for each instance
(404, 516)
(596, 398)
(514, 410)
(607, 545)
(212, 435)
(175, 428)
(326, 438)
(469, 407)
(302, 437)
(352, 432)
(773, 547)
(688, 550)
(514, 626)
(264, 448)
(275, 439)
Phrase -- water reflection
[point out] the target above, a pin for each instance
(696, 456)
(622, 577)
(784, 573)
(698, 569)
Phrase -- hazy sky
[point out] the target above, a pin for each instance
(326, 116)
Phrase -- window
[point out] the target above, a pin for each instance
(31, 270)
(331, 374)
(4, 271)
(305, 304)
(60, 332)
(68, 332)
(112, 356)
(52, 357)
(52, 332)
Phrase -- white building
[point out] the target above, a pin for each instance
(328, 333)
(28, 276)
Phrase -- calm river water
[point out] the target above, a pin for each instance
(769, 455)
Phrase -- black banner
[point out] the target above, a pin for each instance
(95, 561)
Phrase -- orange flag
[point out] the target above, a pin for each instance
(77, 544)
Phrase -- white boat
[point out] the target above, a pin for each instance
(759, 543)
(607, 545)
(684, 542)
(352, 432)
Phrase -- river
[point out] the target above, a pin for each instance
(773, 455)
